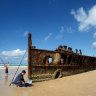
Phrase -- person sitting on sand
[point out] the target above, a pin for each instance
(19, 80)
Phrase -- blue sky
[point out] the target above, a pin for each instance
(51, 22)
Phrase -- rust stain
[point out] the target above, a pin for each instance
(55, 63)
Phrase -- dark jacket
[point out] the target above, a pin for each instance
(19, 79)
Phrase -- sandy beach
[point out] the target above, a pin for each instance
(83, 84)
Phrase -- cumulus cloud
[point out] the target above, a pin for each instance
(86, 19)
(94, 44)
(12, 53)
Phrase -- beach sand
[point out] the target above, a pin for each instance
(83, 84)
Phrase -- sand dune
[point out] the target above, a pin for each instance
(83, 84)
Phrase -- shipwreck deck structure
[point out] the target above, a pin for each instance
(47, 64)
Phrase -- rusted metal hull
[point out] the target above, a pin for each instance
(55, 64)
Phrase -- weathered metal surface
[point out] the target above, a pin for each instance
(29, 55)
(53, 64)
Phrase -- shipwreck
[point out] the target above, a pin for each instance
(63, 61)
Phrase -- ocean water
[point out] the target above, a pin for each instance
(15, 64)
(12, 66)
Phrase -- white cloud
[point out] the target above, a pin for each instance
(86, 19)
(47, 37)
(12, 53)
(62, 30)
(70, 29)
(60, 34)
(67, 29)
(26, 33)
(94, 44)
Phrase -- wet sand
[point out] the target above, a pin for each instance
(83, 84)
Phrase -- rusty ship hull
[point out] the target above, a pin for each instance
(48, 64)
